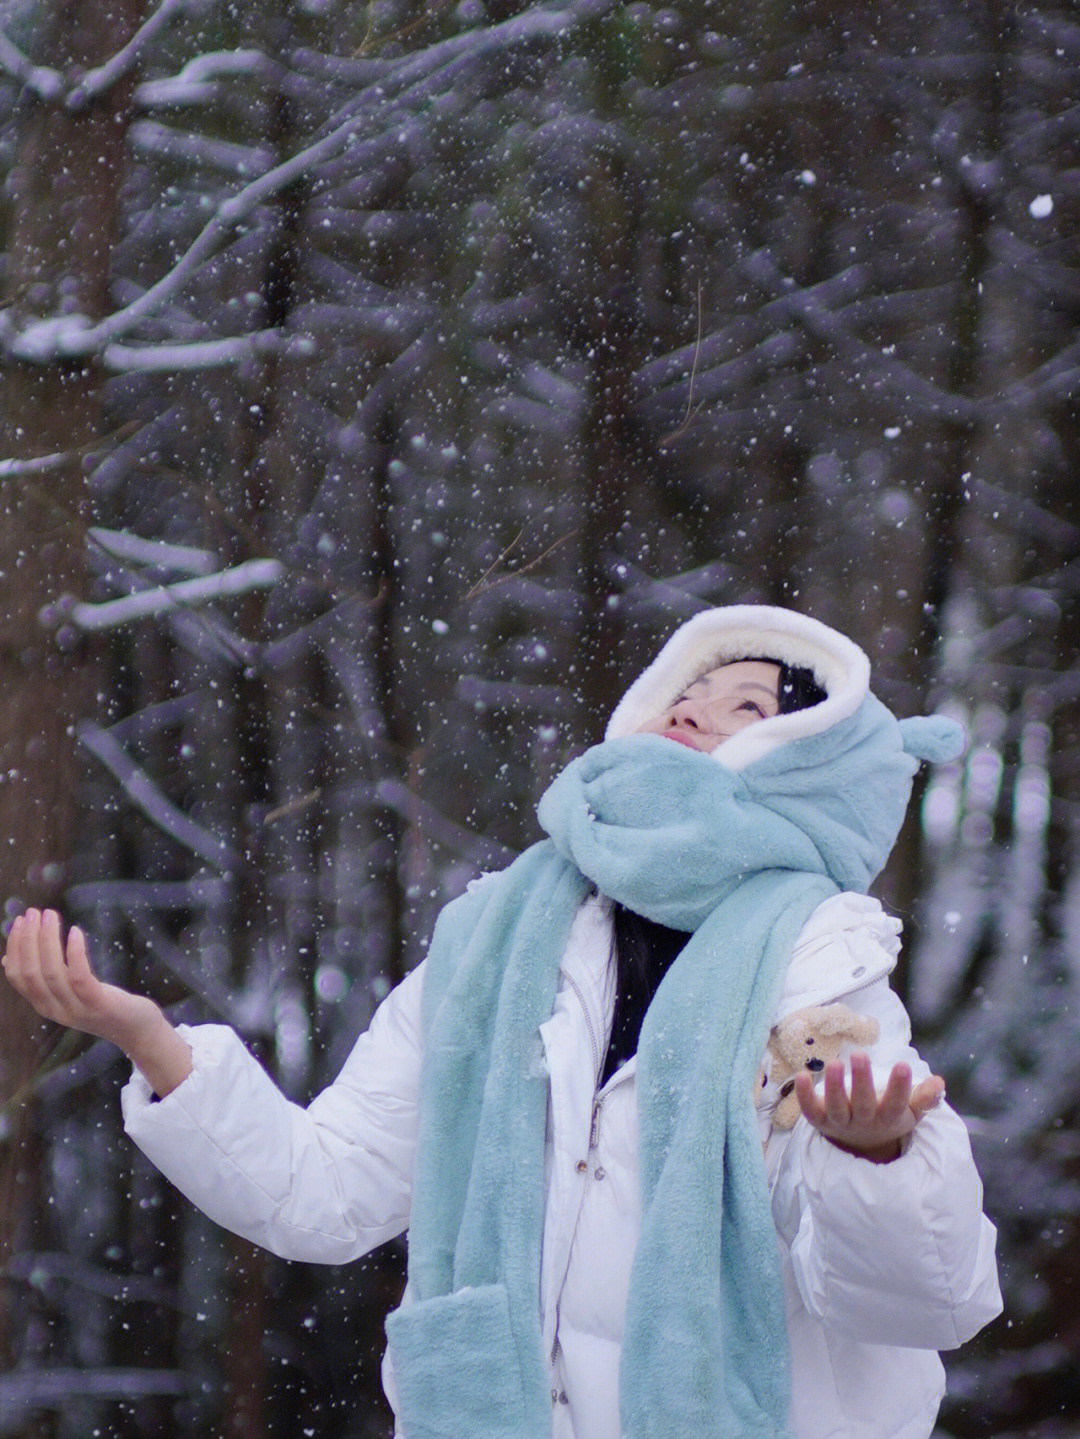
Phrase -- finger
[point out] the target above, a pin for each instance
(11, 949)
(894, 1101)
(29, 961)
(84, 982)
(28, 940)
(864, 1100)
(51, 955)
(78, 961)
(837, 1106)
(927, 1096)
(809, 1102)
(26, 976)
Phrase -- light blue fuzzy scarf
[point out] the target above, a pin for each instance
(742, 860)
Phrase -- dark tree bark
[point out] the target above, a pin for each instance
(66, 205)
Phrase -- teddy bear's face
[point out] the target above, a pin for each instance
(807, 1040)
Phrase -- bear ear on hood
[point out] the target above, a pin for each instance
(935, 738)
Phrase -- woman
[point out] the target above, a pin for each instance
(605, 1239)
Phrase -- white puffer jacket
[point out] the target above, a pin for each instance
(883, 1264)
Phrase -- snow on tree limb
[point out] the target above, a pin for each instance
(21, 1393)
(206, 354)
(95, 82)
(121, 544)
(415, 81)
(37, 465)
(197, 82)
(163, 599)
(150, 137)
(156, 806)
(46, 84)
(49, 84)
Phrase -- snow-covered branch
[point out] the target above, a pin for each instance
(164, 599)
(206, 354)
(416, 81)
(198, 81)
(37, 465)
(824, 324)
(157, 807)
(204, 891)
(46, 84)
(44, 1268)
(122, 545)
(95, 82)
(150, 137)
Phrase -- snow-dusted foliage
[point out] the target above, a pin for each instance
(380, 384)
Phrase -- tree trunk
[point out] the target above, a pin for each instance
(65, 192)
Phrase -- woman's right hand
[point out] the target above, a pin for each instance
(61, 986)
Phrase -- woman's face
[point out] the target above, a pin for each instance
(719, 704)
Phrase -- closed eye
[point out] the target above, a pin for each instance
(750, 705)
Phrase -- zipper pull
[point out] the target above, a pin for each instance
(594, 1126)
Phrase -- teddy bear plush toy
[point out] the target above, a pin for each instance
(807, 1039)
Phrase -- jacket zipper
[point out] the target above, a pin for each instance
(588, 1025)
(594, 1123)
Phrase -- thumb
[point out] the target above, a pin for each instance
(926, 1096)
(78, 961)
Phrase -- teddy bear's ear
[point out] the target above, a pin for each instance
(933, 737)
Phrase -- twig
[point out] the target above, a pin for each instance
(674, 434)
(496, 562)
(291, 806)
(481, 589)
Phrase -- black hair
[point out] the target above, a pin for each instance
(796, 687)
(644, 951)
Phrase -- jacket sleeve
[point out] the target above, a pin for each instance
(324, 1184)
(897, 1254)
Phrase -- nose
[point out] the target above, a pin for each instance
(687, 713)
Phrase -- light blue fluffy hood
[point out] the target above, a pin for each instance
(837, 776)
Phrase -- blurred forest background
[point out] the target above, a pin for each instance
(379, 385)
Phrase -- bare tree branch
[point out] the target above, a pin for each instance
(157, 807)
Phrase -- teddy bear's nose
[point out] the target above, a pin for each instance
(815, 1064)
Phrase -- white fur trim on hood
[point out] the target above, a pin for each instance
(717, 637)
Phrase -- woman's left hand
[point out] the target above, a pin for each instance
(866, 1123)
